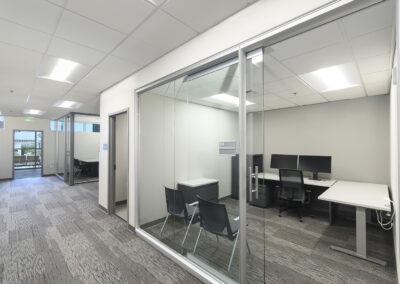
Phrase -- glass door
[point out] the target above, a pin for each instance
(60, 148)
(258, 194)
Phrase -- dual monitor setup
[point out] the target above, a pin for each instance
(314, 164)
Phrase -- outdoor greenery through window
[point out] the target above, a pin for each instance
(27, 149)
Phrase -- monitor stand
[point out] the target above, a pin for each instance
(315, 176)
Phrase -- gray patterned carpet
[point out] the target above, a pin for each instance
(53, 233)
(283, 250)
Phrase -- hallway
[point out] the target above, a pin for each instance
(53, 233)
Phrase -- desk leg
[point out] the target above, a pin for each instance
(332, 213)
(361, 239)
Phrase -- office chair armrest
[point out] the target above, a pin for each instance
(194, 203)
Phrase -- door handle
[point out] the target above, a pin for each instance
(256, 186)
(250, 183)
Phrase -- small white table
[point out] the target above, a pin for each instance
(198, 182)
(207, 188)
(89, 160)
(363, 196)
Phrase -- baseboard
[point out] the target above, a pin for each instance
(152, 223)
(122, 202)
(104, 209)
(6, 179)
(49, 175)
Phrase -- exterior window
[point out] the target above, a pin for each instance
(78, 126)
(1, 122)
(53, 125)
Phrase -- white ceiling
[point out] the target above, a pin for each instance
(112, 39)
(363, 40)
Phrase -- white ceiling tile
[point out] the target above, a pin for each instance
(122, 15)
(18, 59)
(374, 64)
(80, 95)
(307, 100)
(372, 44)
(118, 67)
(23, 37)
(58, 2)
(377, 88)
(35, 14)
(19, 82)
(163, 31)
(69, 50)
(49, 89)
(377, 83)
(321, 58)
(201, 15)
(274, 70)
(40, 103)
(137, 51)
(345, 94)
(315, 39)
(86, 32)
(98, 80)
(368, 20)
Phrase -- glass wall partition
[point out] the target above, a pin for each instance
(316, 113)
(60, 148)
(86, 146)
(78, 148)
(189, 129)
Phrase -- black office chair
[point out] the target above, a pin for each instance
(177, 207)
(77, 168)
(214, 219)
(292, 191)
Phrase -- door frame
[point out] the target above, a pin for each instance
(13, 147)
(111, 162)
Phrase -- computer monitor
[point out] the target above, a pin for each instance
(279, 161)
(315, 164)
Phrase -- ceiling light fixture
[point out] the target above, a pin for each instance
(333, 78)
(226, 98)
(67, 104)
(62, 70)
(33, 111)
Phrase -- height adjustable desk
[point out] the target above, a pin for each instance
(319, 185)
(363, 196)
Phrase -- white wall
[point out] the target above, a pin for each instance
(252, 21)
(86, 145)
(121, 157)
(354, 132)
(6, 144)
(179, 142)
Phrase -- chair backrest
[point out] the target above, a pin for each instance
(292, 185)
(214, 218)
(175, 203)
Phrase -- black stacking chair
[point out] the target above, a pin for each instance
(77, 168)
(214, 219)
(177, 207)
(292, 193)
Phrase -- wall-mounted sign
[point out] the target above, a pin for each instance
(227, 148)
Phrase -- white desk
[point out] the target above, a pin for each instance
(307, 181)
(362, 196)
